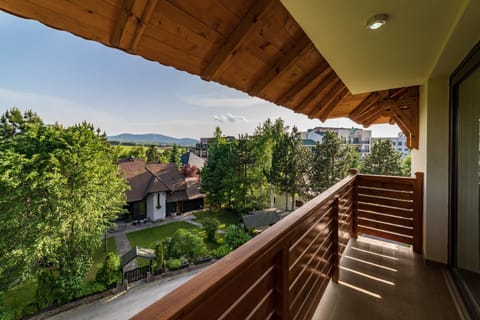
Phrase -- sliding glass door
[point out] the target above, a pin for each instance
(465, 240)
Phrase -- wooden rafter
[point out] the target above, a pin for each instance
(330, 81)
(131, 24)
(297, 49)
(253, 17)
(366, 104)
(321, 70)
(326, 105)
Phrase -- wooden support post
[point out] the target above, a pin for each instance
(354, 231)
(282, 299)
(418, 213)
(335, 256)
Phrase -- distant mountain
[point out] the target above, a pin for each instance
(152, 138)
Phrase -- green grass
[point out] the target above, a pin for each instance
(225, 217)
(146, 238)
(99, 257)
(18, 297)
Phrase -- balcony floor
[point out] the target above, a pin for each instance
(381, 280)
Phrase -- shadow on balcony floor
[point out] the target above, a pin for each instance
(381, 280)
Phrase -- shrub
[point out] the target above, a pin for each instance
(46, 290)
(235, 236)
(210, 226)
(187, 244)
(173, 264)
(221, 251)
(109, 273)
(160, 254)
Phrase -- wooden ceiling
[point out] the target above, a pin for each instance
(251, 45)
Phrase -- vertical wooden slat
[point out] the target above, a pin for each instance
(418, 213)
(354, 231)
(335, 258)
(282, 298)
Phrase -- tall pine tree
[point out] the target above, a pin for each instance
(383, 159)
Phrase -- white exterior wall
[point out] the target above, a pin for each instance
(154, 213)
(432, 159)
(314, 136)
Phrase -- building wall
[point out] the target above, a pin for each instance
(154, 213)
(432, 158)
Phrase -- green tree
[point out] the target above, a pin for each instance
(407, 166)
(332, 160)
(110, 271)
(139, 152)
(175, 155)
(160, 254)
(235, 236)
(187, 244)
(60, 189)
(210, 226)
(383, 159)
(152, 154)
(13, 122)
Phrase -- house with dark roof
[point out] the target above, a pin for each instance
(158, 190)
(192, 159)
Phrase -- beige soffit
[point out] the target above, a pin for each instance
(401, 54)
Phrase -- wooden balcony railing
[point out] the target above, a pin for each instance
(283, 272)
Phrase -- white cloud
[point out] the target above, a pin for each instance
(223, 102)
(230, 118)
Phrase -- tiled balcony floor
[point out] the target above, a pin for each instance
(380, 280)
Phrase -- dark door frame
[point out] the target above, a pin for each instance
(468, 66)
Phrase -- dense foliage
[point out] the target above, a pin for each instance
(332, 160)
(235, 236)
(60, 188)
(383, 159)
(210, 226)
(187, 244)
(110, 271)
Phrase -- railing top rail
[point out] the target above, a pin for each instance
(396, 179)
(227, 268)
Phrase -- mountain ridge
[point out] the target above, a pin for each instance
(151, 138)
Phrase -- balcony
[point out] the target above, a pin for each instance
(284, 272)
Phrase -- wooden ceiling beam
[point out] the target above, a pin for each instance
(296, 50)
(253, 18)
(131, 24)
(330, 81)
(390, 103)
(365, 105)
(333, 103)
(329, 101)
(322, 70)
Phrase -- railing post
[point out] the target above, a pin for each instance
(354, 231)
(418, 212)
(282, 309)
(335, 256)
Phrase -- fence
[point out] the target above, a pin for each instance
(136, 274)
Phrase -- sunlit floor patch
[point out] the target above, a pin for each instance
(371, 263)
(368, 276)
(374, 253)
(351, 286)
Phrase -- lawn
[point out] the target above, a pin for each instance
(225, 217)
(99, 257)
(146, 238)
(18, 297)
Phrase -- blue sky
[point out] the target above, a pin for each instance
(67, 79)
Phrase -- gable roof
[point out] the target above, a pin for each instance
(148, 178)
(192, 159)
(260, 219)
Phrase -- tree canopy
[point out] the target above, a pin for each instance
(383, 159)
(60, 188)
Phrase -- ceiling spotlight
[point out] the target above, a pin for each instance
(377, 21)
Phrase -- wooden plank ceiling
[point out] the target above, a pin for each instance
(251, 45)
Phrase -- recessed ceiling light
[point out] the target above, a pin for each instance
(377, 21)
